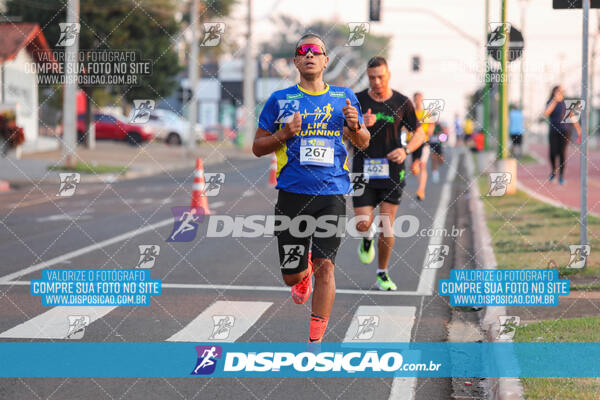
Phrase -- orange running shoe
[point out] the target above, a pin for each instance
(415, 168)
(420, 195)
(318, 325)
(301, 290)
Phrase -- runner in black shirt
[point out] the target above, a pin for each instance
(387, 112)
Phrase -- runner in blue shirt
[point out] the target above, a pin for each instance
(312, 172)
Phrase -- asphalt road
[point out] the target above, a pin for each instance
(41, 230)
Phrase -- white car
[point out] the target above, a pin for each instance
(168, 126)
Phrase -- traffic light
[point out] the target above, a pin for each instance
(416, 64)
(374, 10)
(573, 4)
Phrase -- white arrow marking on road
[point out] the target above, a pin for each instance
(394, 324)
(54, 323)
(85, 250)
(427, 278)
(203, 329)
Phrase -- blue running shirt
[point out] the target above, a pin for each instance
(313, 161)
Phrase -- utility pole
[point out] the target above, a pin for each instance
(249, 106)
(503, 86)
(592, 120)
(584, 126)
(69, 139)
(193, 79)
(522, 69)
(487, 87)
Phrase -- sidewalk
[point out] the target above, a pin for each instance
(533, 178)
(149, 159)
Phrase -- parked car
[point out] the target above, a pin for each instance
(115, 128)
(168, 126)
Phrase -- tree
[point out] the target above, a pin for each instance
(148, 27)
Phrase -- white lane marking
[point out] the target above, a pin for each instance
(85, 250)
(216, 204)
(248, 193)
(63, 217)
(385, 324)
(54, 323)
(427, 278)
(255, 288)
(222, 321)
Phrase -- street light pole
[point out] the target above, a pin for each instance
(486, 92)
(503, 86)
(69, 142)
(522, 69)
(249, 106)
(584, 126)
(193, 78)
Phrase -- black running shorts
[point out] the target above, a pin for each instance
(436, 148)
(294, 248)
(375, 196)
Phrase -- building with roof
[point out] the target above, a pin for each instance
(21, 45)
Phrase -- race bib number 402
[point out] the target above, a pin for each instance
(316, 151)
(377, 168)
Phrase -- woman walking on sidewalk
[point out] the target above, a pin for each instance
(561, 120)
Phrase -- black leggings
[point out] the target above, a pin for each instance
(559, 141)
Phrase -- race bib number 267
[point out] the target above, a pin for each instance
(317, 152)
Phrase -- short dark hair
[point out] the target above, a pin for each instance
(376, 62)
(311, 35)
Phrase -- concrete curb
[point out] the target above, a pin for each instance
(134, 174)
(555, 203)
(500, 388)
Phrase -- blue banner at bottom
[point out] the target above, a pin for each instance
(324, 360)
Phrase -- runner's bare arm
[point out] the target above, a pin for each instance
(399, 155)
(360, 139)
(417, 139)
(266, 142)
(550, 107)
(355, 131)
(578, 129)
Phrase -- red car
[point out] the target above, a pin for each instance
(110, 127)
(211, 133)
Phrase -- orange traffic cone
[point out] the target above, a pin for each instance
(198, 197)
(273, 171)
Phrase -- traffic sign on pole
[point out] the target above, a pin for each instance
(496, 38)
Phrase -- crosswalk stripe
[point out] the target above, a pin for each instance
(388, 324)
(222, 321)
(54, 323)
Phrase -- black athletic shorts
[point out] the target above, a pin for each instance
(516, 139)
(436, 148)
(375, 196)
(293, 249)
